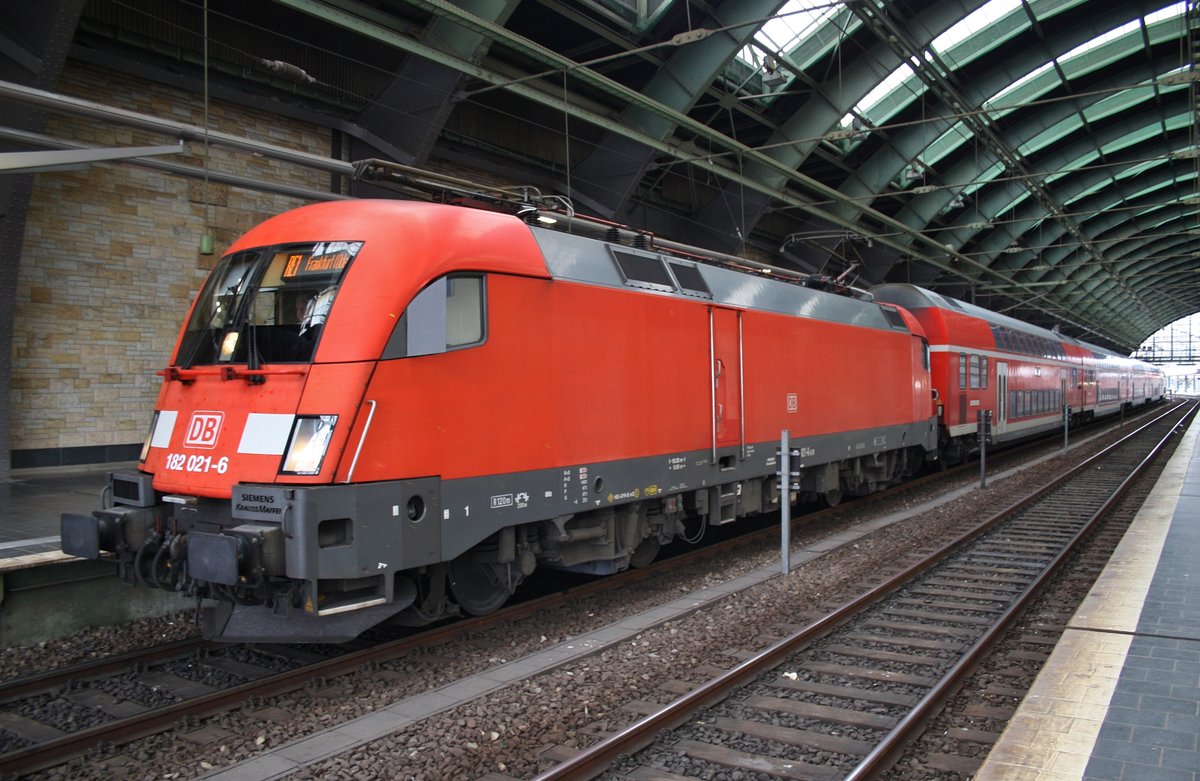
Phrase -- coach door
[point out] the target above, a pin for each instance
(725, 352)
(1000, 424)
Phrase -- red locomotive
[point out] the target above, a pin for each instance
(385, 410)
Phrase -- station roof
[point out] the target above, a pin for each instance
(1036, 157)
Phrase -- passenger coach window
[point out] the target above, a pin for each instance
(447, 315)
(979, 372)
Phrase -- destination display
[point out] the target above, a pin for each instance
(323, 259)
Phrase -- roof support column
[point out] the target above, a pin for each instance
(34, 39)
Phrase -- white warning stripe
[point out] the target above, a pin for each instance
(266, 434)
(164, 427)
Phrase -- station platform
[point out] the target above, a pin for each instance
(31, 503)
(1119, 698)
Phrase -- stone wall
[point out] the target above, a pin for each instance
(111, 259)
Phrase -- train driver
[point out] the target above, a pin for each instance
(315, 312)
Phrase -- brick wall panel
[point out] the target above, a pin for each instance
(110, 259)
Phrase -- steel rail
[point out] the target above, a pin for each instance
(597, 758)
(884, 755)
(29, 684)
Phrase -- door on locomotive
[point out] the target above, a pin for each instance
(1000, 424)
(725, 337)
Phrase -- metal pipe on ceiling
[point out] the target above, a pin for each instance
(67, 104)
(28, 138)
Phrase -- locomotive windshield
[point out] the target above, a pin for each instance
(266, 305)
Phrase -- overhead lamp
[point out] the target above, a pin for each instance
(957, 202)
(774, 79)
(924, 189)
(1187, 153)
(1012, 249)
(773, 76)
(1193, 200)
(207, 242)
(975, 226)
(288, 71)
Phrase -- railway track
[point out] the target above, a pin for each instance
(841, 697)
(49, 718)
(960, 738)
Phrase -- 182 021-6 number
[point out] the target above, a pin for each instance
(182, 462)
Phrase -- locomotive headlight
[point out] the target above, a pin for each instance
(308, 443)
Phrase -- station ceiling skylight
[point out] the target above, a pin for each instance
(791, 31)
(1002, 19)
(974, 143)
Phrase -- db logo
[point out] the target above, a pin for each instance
(203, 430)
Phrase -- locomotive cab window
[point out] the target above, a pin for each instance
(266, 305)
(449, 314)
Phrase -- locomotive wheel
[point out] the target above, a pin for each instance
(431, 602)
(645, 553)
(480, 588)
